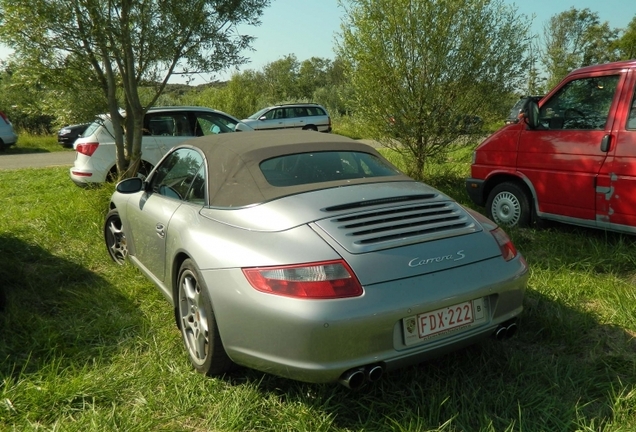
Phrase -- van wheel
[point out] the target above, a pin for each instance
(508, 205)
(311, 128)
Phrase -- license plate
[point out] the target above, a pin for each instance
(426, 325)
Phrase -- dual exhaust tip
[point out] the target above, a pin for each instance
(506, 330)
(355, 378)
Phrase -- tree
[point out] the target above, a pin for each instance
(281, 79)
(421, 70)
(313, 74)
(626, 44)
(127, 44)
(44, 98)
(576, 38)
(241, 96)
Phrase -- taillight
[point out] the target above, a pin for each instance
(87, 148)
(320, 280)
(508, 250)
(4, 117)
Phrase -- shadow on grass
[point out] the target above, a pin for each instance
(542, 379)
(13, 150)
(566, 369)
(56, 310)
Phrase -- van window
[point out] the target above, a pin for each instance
(580, 104)
(631, 121)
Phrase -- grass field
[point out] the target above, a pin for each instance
(90, 346)
(29, 143)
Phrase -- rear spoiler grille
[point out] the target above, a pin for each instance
(397, 226)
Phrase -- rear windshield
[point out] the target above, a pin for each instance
(318, 167)
(92, 128)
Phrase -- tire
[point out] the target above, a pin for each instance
(509, 205)
(311, 128)
(198, 324)
(115, 238)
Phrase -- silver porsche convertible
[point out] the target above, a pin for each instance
(310, 256)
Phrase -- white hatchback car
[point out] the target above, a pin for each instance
(164, 127)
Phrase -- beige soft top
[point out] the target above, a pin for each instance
(233, 159)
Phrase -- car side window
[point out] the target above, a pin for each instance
(168, 124)
(273, 114)
(315, 111)
(581, 104)
(210, 123)
(178, 174)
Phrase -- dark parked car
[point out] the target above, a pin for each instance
(311, 257)
(68, 134)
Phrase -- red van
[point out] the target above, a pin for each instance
(571, 159)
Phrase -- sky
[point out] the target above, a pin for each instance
(308, 28)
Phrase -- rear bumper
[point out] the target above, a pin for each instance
(475, 190)
(83, 178)
(8, 140)
(317, 341)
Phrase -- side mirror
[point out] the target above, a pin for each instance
(130, 185)
(531, 115)
(242, 127)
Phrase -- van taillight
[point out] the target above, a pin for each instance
(4, 117)
(87, 148)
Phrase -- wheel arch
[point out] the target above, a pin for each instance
(177, 262)
(521, 181)
(174, 277)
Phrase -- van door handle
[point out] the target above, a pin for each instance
(606, 142)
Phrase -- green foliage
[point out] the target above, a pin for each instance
(282, 81)
(35, 143)
(241, 96)
(576, 38)
(121, 47)
(419, 72)
(626, 44)
(88, 345)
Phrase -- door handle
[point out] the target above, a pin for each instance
(606, 143)
(161, 231)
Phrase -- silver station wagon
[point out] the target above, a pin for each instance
(310, 256)
(304, 116)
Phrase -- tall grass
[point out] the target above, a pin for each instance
(34, 143)
(90, 346)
